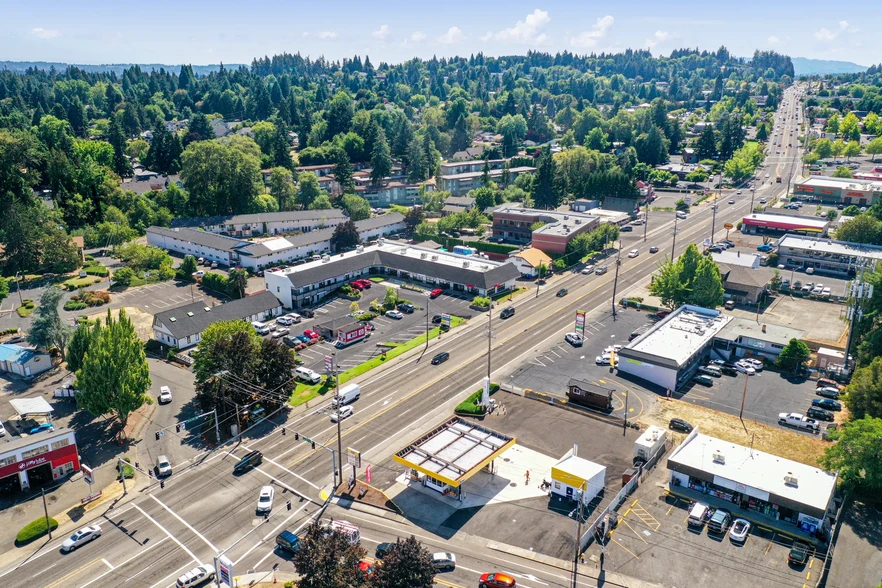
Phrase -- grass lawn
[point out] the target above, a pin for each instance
(377, 279)
(303, 393)
(26, 309)
(752, 144)
(75, 283)
(509, 295)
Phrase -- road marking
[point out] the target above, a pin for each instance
(271, 533)
(295, 531)
(61, 581)
(108, 563)
(286, 486)
(626, 549)
(166, 531)
(139, 554)
(188, 525)
(280, 466)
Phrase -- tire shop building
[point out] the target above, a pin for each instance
(29, 460)
(669, 353)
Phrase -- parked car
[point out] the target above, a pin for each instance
(711, 370)
(165, 394)
(574, 339)
(719, 521)
(739, 531)
(703, 379)
(199, 574)
(626, 229)
(406, 307)
(828, 393)
(81, 537)
(562, 292)
(754, 362)
(680, 425)
(394, 314)
(799, 553)
(827, 404)
(605, 359)
(356, 285)
(745, 368)
(41, 428)
(440, 358)
(339, 415)
(729, 369)
(765, 248)
(366, 284)
(436, 293)
(279, 332)
(819, 413)
(163, 466)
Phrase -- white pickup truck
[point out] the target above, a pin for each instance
(794, 419)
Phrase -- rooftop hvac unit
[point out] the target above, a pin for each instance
(566, 217)
(381, 241)
(326, 258)
(424, 255)
(465, 264)
(359, 248)
(434, 258)
(719, 457)
(791, 480)
(578, 221)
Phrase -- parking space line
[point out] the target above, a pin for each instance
(548, 358)
(538, 362)
(188, 525)
(626, 549)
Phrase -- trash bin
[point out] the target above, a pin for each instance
(629, 473)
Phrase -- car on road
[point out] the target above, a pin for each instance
(444, 562)
(507, 312)
(343, 413)
(765, 248)
(799, 553)
(589, 269)
(679, 425)
(562, 292)
(574, 339)
(738, 192)
(436, 293)
(265, 499)
(819, 414)
(165, 394)
(198, 575)
(682, 215)
(827, 393)
(81, 537)
(440, 358)
(703, 379)
(163, 466)
(383, 550)
(41, 428)
(827, 404)
(762, 200)
(496, 580)
(250, 460)
(739, 531)
(731, 201)
(626, 229)
(633, 253)
(601, 270)
(394, 314)
(653, 249)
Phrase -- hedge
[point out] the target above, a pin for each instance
(96, 270)
(470, 405)
(500, 248)
(34, 530)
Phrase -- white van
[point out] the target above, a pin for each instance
(346, 528)
(348, 393)
(698, 514)
(261, 328)
(308, 375)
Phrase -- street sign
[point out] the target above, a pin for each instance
(224, 570)
(728, 226)
(87, 474)
(329, 363)
(367, 474)
(580, 321)
(445, 320)
(353, 457)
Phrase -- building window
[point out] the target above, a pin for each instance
(60, 444)
(36, 451)
(8, 461)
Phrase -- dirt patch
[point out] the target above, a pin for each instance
(774, 440)
(142, 321)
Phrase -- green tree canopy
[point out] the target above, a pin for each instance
(855, 454)
(864, 392)
(327, 560)
(794, 354)
(48, 330)
(282, 187)
(345, 236)
(407, 565)
(357, 207)
(222, 177)
(861, 229)
(309, 189)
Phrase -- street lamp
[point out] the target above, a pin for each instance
(616, 280)
(674, 240)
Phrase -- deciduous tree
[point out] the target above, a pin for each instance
(308, 188)
(794, 354)
(345, 236)
(282, 187)
(357, 207)
(327, 560)
(855, 454)
(79, 344)
(407, 565)
(864, 396)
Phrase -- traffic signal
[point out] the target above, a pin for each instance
(313, 444)
(157, 435)
(177, 428)
(162, 483)
(288, 504)
(297, 436)
(283, 431)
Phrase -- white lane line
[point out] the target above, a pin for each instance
(536, 359)
(136, 556)
(271, 551)
(108, 563)
(186, 524)
(270, 534)
(281, 467)
(286, 486)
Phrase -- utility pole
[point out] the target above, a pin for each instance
(339, 406)
(489, 339)
(578, 512)
(625, 419)
(216, 426)
(18, 282)
(860, 290)
(646, 219)
(674, 240)
(122, 474)
(46, 512)
(616, 280)
(427, 322)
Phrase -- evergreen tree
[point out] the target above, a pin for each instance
(82, 338)
(460, 140)
(199, 129)
(416, 161)
(308, 188)
(282, 188)
(707, 286)
(381, 158)
(485, 174)
(343, 173)
(545, 191)
(117, 139)
(281, 147)
(706, 148)
(47, 329)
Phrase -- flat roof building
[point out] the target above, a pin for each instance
(576, 478)
(838, 190)
(39, 458)
(515, 224)
(305, 284)
(826, 255)
(264, 223)
(748, 338)
(766, 488)
(459, 184)
(777, 224)
(669, 353)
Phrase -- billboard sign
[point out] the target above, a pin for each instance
(329, 364)
(353, 457)
(580, 322)
(445, 320)
(87, 474)
(224, 570)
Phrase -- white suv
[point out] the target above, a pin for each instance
(197, 575)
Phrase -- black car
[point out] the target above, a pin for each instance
(406, 307)
(440, 358)
(562, 292)
(680, 425)
(819, 413)
(728, 369)
(827, 404)
(626, 229)
(436, 320)
(383, 550)
(307, 313)
(653, 249)
(507, 312)
(799, 553)
(255, 458)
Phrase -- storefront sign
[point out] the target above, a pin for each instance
(353, 457)
(580, 321)
(57, 457)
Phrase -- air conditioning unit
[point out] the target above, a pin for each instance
(359, 248)
(465, 264)
(578, 221)
(424, 255)
(381, 241)
(326, 258)
(791, 480)
(719, 457)
(434, 258)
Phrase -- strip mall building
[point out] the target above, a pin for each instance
(38, 458)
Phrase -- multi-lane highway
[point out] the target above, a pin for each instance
(206, 509)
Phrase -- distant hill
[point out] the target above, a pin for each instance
(117, 68)
(819, 67)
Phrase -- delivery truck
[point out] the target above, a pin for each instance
(348, 393)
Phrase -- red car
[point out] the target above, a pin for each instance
(311, 334)
(357, 285)
(366, 568)
(436, 293)
(497, 580)
(366, 284)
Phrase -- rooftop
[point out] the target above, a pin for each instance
(787, 222)
(204, 238)
(739, 275)
(741, 327)
(756, 469)
(830, 246)
(332, 216)
(680, 334)
(577, 467)
(10, 443)
(195, 317)
(844, 183)
(17, 353)
(554, 220)
(493, 173)
(751, 260)
(454, 451)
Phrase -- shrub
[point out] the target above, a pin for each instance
(215, 282)
(97, 270)
(74, 304)
(367, 316)
(124, 276)
(347, 290)
(481, 301)
(34, 530)
(470, 405)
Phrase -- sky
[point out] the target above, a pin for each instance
(202, 32)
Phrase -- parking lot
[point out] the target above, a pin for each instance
(158, 297)
(652, 541)
(386, 329)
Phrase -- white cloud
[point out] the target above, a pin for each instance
(598, 31)
(827, 35)
(418, 36)
(381, 33)
(326, 35)
(659, 37)
(453, 35)
(773, 40)
(42, 33)
(305, 35)
(526, 31)
(487, 36)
